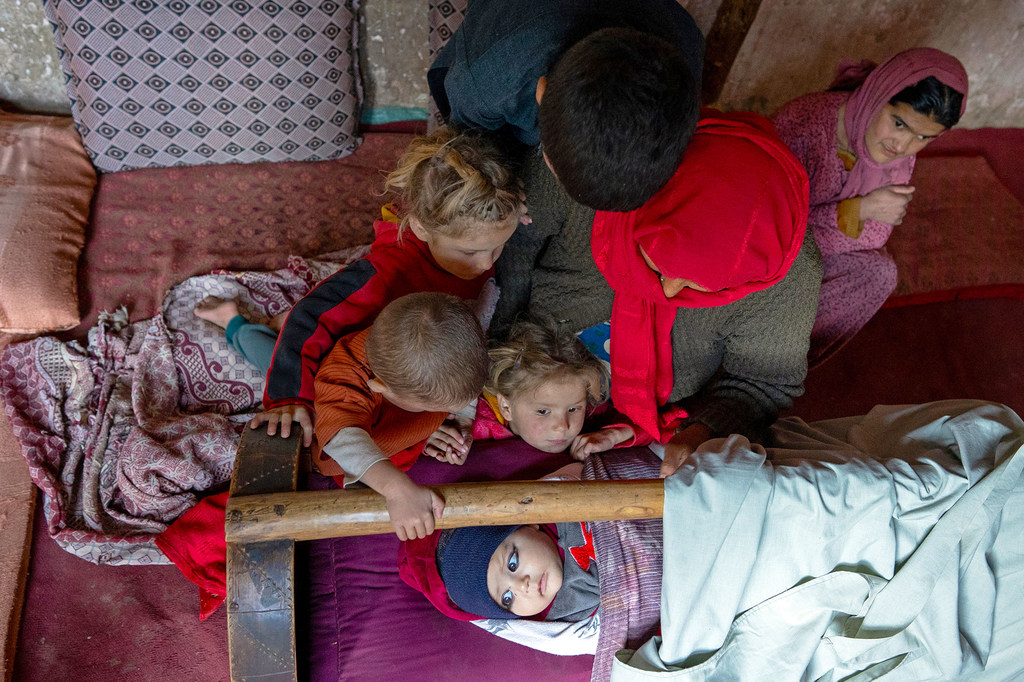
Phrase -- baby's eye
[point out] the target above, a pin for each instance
(543, 411)
(573, 409)
(513, 561)
(506, 600)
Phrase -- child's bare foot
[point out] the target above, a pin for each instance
(216, 310)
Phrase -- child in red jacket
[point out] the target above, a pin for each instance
(460, 205)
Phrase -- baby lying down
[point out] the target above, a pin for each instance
(543, 572)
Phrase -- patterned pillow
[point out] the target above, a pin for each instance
(188, 82)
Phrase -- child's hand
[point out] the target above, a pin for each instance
(586, 444)
(285, 416)
(413, 509)
(451, 442)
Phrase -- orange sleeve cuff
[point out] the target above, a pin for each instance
(848, 217)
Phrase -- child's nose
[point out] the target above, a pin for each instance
(484, 261)
(524, 584)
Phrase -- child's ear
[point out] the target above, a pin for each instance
(542, 85)
(417, 229)
(376, 385)
(504, 407)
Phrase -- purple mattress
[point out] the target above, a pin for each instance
(364, 623)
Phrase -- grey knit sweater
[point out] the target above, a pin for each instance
(735, 366)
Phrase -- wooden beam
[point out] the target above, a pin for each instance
(732, 23)
(261, 576)
(341, 513)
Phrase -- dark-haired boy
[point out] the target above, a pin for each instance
(611, 88)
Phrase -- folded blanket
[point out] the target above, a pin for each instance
(629, 563)
(124, 435)
(863, 547)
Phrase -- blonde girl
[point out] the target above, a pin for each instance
(543, 386)
(458, 203)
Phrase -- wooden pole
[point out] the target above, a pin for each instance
(732, 23)
(341, 513)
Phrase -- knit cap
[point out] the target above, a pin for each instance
(463, 555)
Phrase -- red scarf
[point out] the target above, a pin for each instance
(732, 219)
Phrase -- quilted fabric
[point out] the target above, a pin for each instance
(156, 83)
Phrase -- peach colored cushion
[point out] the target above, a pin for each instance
(46, 184)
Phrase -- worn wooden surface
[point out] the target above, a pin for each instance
(724, 41)
(261, 575)
(339, 513)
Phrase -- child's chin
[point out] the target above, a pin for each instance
(551, 448)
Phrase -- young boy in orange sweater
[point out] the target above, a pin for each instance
(383, 390)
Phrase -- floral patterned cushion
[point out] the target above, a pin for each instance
(188, 82)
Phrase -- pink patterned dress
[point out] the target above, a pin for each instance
(859, 274)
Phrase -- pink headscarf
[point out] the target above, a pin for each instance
(881, 85)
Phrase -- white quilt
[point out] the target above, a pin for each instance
(888, 546)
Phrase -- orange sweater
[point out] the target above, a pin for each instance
(344, 399)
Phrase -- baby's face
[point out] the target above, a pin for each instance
(525, 572)
(549, 417)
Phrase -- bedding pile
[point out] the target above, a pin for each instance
(857, 548)
(122, 435)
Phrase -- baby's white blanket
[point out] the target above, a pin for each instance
(886, 546)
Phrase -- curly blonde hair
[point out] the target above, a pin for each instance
(450, 182)
(538, 353)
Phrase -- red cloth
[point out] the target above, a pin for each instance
(731, 219)
(195, 543)
(881, 85)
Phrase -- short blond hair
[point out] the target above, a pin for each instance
(429, 347)
(451, 182)
(537, 353)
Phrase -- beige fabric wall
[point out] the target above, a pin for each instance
(792, 48)
(393, 40)
(794, 45)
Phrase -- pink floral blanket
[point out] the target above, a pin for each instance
(122, 436)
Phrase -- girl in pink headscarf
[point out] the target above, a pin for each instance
(859, 150)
